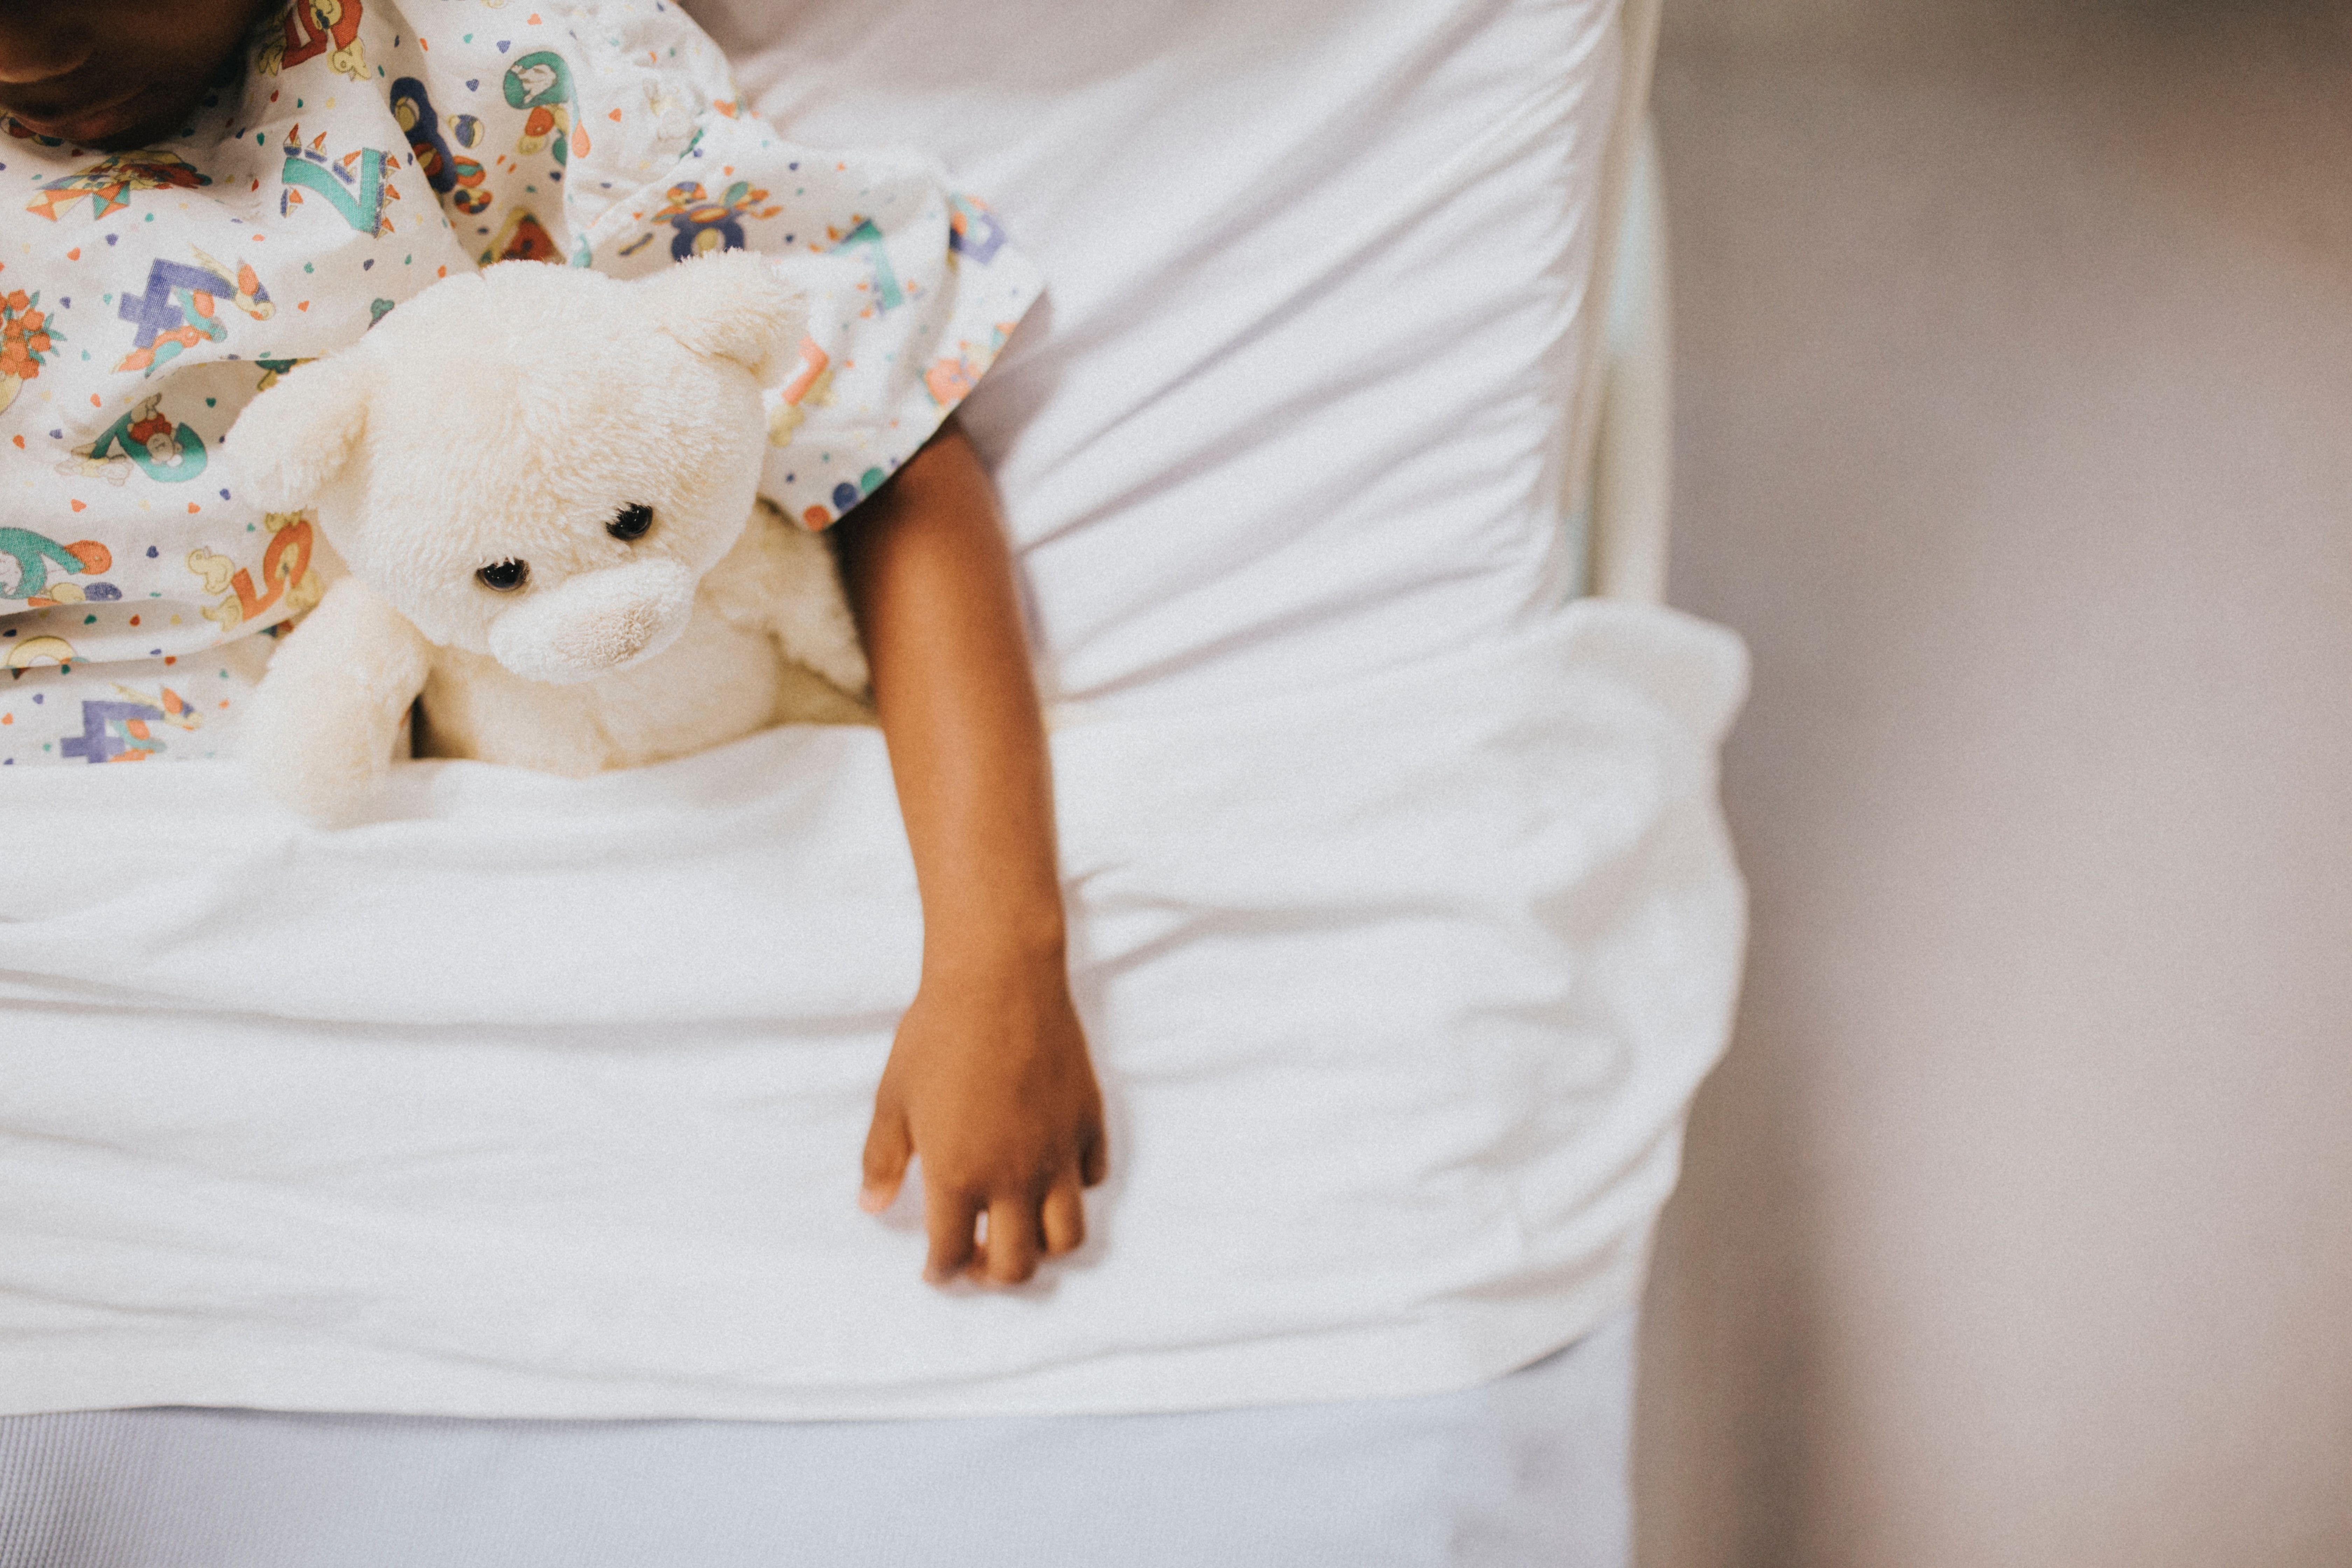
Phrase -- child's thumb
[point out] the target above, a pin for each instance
(887, 1149)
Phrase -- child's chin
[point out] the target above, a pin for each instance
(145, 116)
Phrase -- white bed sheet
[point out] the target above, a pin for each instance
(1293, 405)
(1403, 917)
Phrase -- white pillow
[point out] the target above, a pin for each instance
(1293, 406)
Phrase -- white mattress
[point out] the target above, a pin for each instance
(1529, 1469)
(1403, 917)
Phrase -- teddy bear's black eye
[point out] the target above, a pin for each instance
(505, 576)
(631, 522)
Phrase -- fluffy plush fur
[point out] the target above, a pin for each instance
(515, 416)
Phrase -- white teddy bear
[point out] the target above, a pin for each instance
(539, 480)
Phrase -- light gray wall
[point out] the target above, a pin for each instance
(2014, 367)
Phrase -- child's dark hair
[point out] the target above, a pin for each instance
(119, 75)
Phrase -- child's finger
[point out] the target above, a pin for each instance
(1065, 1217)
(1094, 1160)
(887, 1148)
(948, 1216)
(1011, 1240)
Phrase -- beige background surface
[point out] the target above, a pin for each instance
(2014, 371)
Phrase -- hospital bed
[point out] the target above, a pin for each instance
(519, 1125)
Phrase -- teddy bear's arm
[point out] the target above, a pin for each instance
(784, 581)
(322, 726)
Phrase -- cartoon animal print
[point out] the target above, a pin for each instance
(522, 238)
(179, 308)
(540, 83)
(973, 229)
(704, 225)
(459, 178)
(110, 182)
(862, 236)
(145, 439)
(353, 185)
(286, 574)
(35, 554)
(26, 340)
(124, 732)
(315, 28)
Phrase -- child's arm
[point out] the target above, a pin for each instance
(989, 1079)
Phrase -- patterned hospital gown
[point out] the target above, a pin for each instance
(373, 147)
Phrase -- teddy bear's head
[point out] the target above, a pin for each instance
(536, 462)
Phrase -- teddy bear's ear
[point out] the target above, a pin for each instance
(292, 440)
(730, 305)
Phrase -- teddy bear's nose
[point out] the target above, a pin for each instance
(617, 639)
(596, 622)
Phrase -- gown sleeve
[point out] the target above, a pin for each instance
(913, 286)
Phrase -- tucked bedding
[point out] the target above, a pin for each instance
(1402, 916)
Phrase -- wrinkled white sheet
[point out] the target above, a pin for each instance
(544, 1097)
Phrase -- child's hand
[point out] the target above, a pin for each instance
(989, 1083)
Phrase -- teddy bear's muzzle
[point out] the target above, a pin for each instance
(596, 623)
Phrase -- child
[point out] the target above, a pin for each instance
(278, 176)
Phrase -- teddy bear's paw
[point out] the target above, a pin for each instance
(799, 584)
(325, 775)
(832, 649)
(328, 792)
